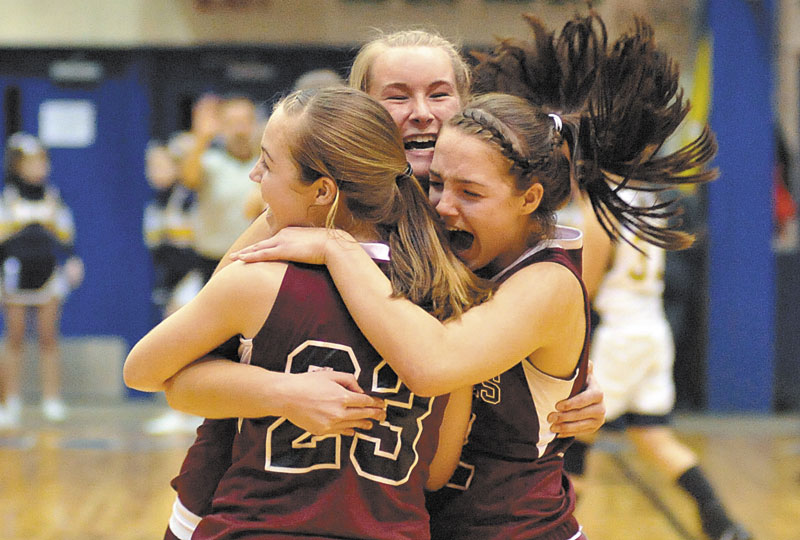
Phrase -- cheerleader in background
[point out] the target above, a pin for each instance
(168, 226)
(169, 234)
(39, 268)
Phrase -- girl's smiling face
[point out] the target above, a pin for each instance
(289, 199)
(417, 86)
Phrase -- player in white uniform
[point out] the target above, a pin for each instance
(633, 352)
(632, 347)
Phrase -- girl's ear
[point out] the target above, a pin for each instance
(325, 190)
(532, 198)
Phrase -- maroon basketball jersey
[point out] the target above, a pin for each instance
(284, 482)
(510, 481)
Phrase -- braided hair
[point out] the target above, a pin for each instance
(532, 143)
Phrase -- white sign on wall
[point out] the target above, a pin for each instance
(67, 123)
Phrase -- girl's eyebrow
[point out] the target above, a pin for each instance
(395, 86)
(434, 174)
(398, 85)
(470, 182)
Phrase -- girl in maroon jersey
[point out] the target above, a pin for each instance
(500, 170)
(332, 157)
(422, 80)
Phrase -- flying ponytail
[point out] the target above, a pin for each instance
(622, 103)
(635, 105)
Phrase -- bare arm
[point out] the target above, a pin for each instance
(524, 317)
(452, 434)
(322, 402)
(535, 314)
(583, 413)
(235, 301)
(238, 300)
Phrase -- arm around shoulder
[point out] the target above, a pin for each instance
(432, 357)
(435, 358)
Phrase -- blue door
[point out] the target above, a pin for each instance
(101, 178)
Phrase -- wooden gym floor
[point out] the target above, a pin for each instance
(98, 476)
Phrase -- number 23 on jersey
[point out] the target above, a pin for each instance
(387, 453)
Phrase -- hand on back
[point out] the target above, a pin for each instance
(330, 403)
(581, 414)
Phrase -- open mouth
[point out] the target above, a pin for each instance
(419, 142)
(460, 240)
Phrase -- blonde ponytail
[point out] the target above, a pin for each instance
(345, 135)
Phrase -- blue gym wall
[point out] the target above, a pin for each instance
(740, 360)
(142, 94)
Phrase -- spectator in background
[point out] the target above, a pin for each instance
(219, 174)
(310, 80)
(168, 227)
(39, 267)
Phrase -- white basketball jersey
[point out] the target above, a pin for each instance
(632, 288)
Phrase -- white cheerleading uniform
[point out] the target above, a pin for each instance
(170, 222)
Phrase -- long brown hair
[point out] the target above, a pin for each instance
(617, 104)
(344, 134)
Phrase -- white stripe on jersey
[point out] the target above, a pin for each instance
(565, 238)
(376, 250)
(577, 534)
(183, 521)
(546, 391)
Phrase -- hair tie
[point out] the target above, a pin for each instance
(406, 173)
(557, 121)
